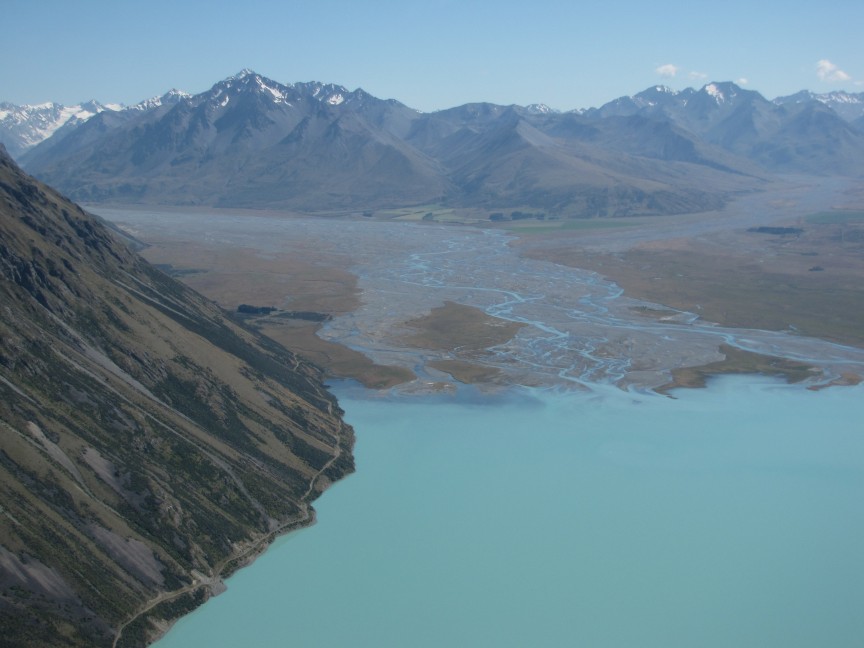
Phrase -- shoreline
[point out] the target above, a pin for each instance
(210, 585)
(214, 585)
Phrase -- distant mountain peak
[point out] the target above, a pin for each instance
(540, 109)
(174, 92)
(721, 92)
(23, 127)
(242, 74)
(244, 78)
(170, 98)
(658, 94)
(283, 93)
(836, 96)
(849, 105)
(726, 93)
(247, 81)
(659, 89)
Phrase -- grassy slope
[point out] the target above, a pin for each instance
(146, 438)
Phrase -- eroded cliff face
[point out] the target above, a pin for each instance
(148, 443)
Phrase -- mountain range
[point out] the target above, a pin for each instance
(23, 127)
(252, 142)
(149, 443)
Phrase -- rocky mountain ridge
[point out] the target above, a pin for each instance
(149, 444)
(23, 127)
(800, 136)
(849, 105)
(252, 142)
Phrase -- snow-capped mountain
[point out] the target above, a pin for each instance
(246, 140)
(168, 99)
(719, 97)
(250, 141)
(23, 127)
(711, 98)
(849, 105)
(540, 109)
(248, 82)
(654, 97)
(802, 133)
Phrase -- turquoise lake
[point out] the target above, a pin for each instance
(728, 516)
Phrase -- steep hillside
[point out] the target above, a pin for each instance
(148, 444)
(516, 163)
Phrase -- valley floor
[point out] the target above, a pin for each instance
(775, 274)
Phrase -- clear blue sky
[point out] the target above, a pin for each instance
(430, 55)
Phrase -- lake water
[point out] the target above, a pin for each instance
(730, 516)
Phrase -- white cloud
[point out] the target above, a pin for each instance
(667, 70)
(743, 81)
(827, 71)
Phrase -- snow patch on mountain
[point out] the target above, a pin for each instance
(23, 127)
(849, 105)
(540, 109)
(277, 95)
(715, 92)
(242, 74)
(170, 98)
